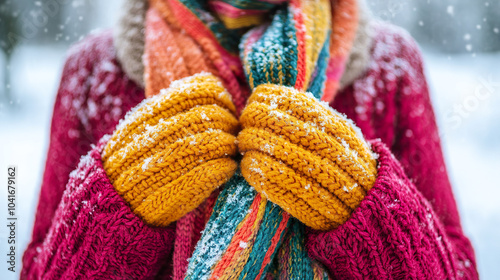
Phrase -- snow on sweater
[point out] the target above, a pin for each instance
(406, 227)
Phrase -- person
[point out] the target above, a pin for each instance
(241, 150)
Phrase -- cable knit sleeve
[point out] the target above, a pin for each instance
(417, 147)
(68, 141)
(417, 141)
(83, 227)
(408, 225)
(95, 234)
(393, 234)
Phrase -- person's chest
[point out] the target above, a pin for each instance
(111, 95)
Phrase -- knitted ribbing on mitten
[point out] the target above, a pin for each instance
(304, 156)
(174, 149)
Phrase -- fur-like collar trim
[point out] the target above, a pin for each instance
(129, 42)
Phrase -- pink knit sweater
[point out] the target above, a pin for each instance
(406, 227)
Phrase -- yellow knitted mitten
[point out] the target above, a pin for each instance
(304, 156)
(174, 149)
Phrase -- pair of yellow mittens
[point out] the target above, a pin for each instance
(174, 149)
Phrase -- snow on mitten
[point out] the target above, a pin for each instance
(174, 149)
(304, 156)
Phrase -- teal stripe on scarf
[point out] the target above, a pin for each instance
(228, 38)
(268, 228)
(298, 265)
(230, 209)
(249, 4)
(273, 58)
(318, 78)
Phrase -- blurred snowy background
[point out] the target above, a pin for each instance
(460, 40)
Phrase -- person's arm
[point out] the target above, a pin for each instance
(321, 174)
(408, 223)
(418, 148)
(68, 139)
(78, 228)
(95, 234)
(164, 159)
(394, 233)
(68, 142)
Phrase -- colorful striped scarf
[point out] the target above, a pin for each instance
(302, 44)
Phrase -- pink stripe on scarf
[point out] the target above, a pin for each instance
(233, 12)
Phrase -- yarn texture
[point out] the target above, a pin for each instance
(304, 157)
(292, 51)
(401, 219)
(172, 151)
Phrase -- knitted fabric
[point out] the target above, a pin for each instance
(183, 39)
(173, 150)
(345, 13)
(291, 51)
(179, 44)
(319, 182)
(238, 14)
(407, 225)
(261, 229)
(304, 156)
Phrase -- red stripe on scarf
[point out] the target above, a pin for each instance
(274, 243)
(242, 235)
(301, 46)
